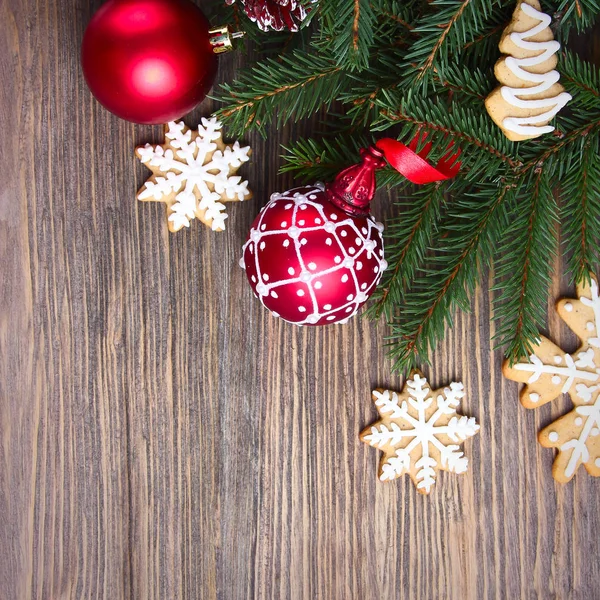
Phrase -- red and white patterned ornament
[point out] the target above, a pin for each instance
(311, 263)
(314, 254)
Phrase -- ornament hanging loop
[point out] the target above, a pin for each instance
(354, 188)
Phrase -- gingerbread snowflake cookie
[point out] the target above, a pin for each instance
(194, 174)
(551, 372)
(530, 95)
(419, 431)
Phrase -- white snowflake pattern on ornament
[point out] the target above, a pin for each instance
(551, 372)
(194, 173)
(305, 283)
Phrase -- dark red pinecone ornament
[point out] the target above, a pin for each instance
(276, 14)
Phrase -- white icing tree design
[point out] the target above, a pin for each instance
(551, 371)
(193, 174)
(419, 431)
(530, 95)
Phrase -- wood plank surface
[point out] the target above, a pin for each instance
(162, 436)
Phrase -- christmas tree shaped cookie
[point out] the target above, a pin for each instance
(530, 95)
(419, 431)
(194, 173)
(551, 372)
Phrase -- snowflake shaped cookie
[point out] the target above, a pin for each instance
(551, 372)
(419, 431)
(194, 173)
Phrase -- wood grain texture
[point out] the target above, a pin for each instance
(163, 437)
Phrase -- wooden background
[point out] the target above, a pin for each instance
(162, 436)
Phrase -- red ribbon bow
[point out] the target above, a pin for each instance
(353, 188)
(413, 165)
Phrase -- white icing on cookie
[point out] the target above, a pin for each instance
(579, 444)
(195, 168)
(541, 82)
(409, 436)
(580, 375)
(572, 371)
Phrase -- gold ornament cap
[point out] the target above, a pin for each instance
(221, 38)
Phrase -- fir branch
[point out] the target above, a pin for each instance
(580, 214)
(293, 87)
(523, 263)
(413, 230)
(579, 14)
(463, 126)
(545, 150)
(470, 239)
(348, 25)
(443, 33)
(429, 69)
(483, 37)
(470, 83)
(400, 12)
(581, 79)
(311, 160)
(481, 50)
(322, 160)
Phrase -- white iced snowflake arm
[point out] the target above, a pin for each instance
(233, 187)
(395, 465)
(210, 129)
(418, 387)
(426, 472)
(236, 154)
(570, 372)
(535, 366)
(147, 153)
(218, 222)
(156, 190)
(175, 133)
(462, 428)
(157, 156)
(186, 204)
(594, 304)
(218, 215)
(585, 392)
(381, 437)
(453, 459)
(448, 402)
(387, 402)
(418, 391)
(215, 210)
(179, 217)
(580, 454)
(455, 393)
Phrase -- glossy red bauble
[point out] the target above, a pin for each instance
(148, 61)
(309, 262)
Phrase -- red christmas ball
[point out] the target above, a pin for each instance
(148, 61)
(309, 262)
